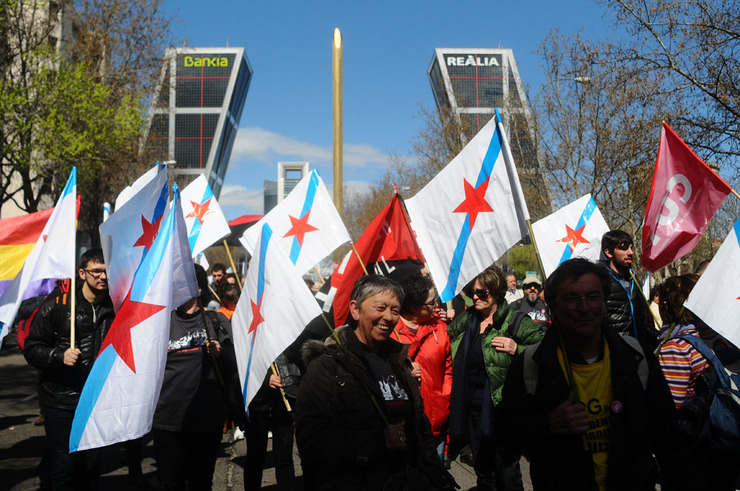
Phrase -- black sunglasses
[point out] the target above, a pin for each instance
(482, 294)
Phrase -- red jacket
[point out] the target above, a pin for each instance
(430, 348)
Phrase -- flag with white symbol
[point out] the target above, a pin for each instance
(306, 223)
(121, 393)
(683, 199)
(572, 231)
(206, 223)
(472, 212)
(272, 311)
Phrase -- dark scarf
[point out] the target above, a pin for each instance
(462, 392)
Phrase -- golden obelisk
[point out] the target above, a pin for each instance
(337, 113)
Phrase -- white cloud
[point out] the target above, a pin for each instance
(356, 187)
(263, 145)
(241, 197)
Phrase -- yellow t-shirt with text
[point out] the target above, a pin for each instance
(594, 387)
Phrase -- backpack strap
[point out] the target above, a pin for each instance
(531, 371)
(513, 328)
(213, 317)
(708, 353)
(642, 367)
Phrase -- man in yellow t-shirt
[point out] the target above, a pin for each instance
(587, 407)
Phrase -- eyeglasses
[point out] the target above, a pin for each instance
(482, 294)
(431, 304)
(95, 273)
(531, 285)
(573, 300)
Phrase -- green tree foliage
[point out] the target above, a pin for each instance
(75, 103)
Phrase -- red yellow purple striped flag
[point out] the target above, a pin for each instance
(18, 236)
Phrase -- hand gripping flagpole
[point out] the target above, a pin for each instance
(73, 289)
(216, 367)
(282, 391)
(561, 342)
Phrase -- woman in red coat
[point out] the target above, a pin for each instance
(429, 350)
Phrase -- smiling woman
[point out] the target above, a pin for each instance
(360, 404)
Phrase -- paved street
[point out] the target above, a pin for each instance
(21, 442)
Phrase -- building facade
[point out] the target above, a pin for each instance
(472, 83)
(196, 112)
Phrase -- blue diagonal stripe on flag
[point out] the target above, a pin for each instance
(197, 226)
(71, 183)
(313, 185)
(104, 364)
(494, 149)
(585, 217)
(264, 242)
(143, 278)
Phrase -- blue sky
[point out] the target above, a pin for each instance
(388, 46)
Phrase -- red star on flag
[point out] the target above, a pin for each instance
(200, 210)
(257, 318)
(130, 315)
(148, 232)
(300, 227)
(574, 237)
(475, 201)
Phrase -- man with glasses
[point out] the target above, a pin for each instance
(590, 408)
(64, 365)
(532, 304)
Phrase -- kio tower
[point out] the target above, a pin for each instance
(197, 109)
(472, 83)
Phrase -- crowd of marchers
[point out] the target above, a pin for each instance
(596, 386)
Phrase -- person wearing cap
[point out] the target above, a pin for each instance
(532, 304)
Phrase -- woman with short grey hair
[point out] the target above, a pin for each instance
(359, 417)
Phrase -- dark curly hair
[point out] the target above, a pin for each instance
(672, 294)
(415, 289)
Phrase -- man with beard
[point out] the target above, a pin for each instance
(627, 311)
(532, 304)
(64, 368)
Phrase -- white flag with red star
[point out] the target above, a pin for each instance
(129, 233)
(204, 219)
(572, 231)
(120, 395)
(471, 213)
(306, 223)
(272, 311)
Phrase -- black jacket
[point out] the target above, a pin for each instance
(60, 385)
(339, 430)
(644, 424)
(627, 312)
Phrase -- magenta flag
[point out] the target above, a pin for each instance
(684, 196)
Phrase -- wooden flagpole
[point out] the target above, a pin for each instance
(233, 266)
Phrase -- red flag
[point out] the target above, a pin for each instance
(388, 238)
(684, 196)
